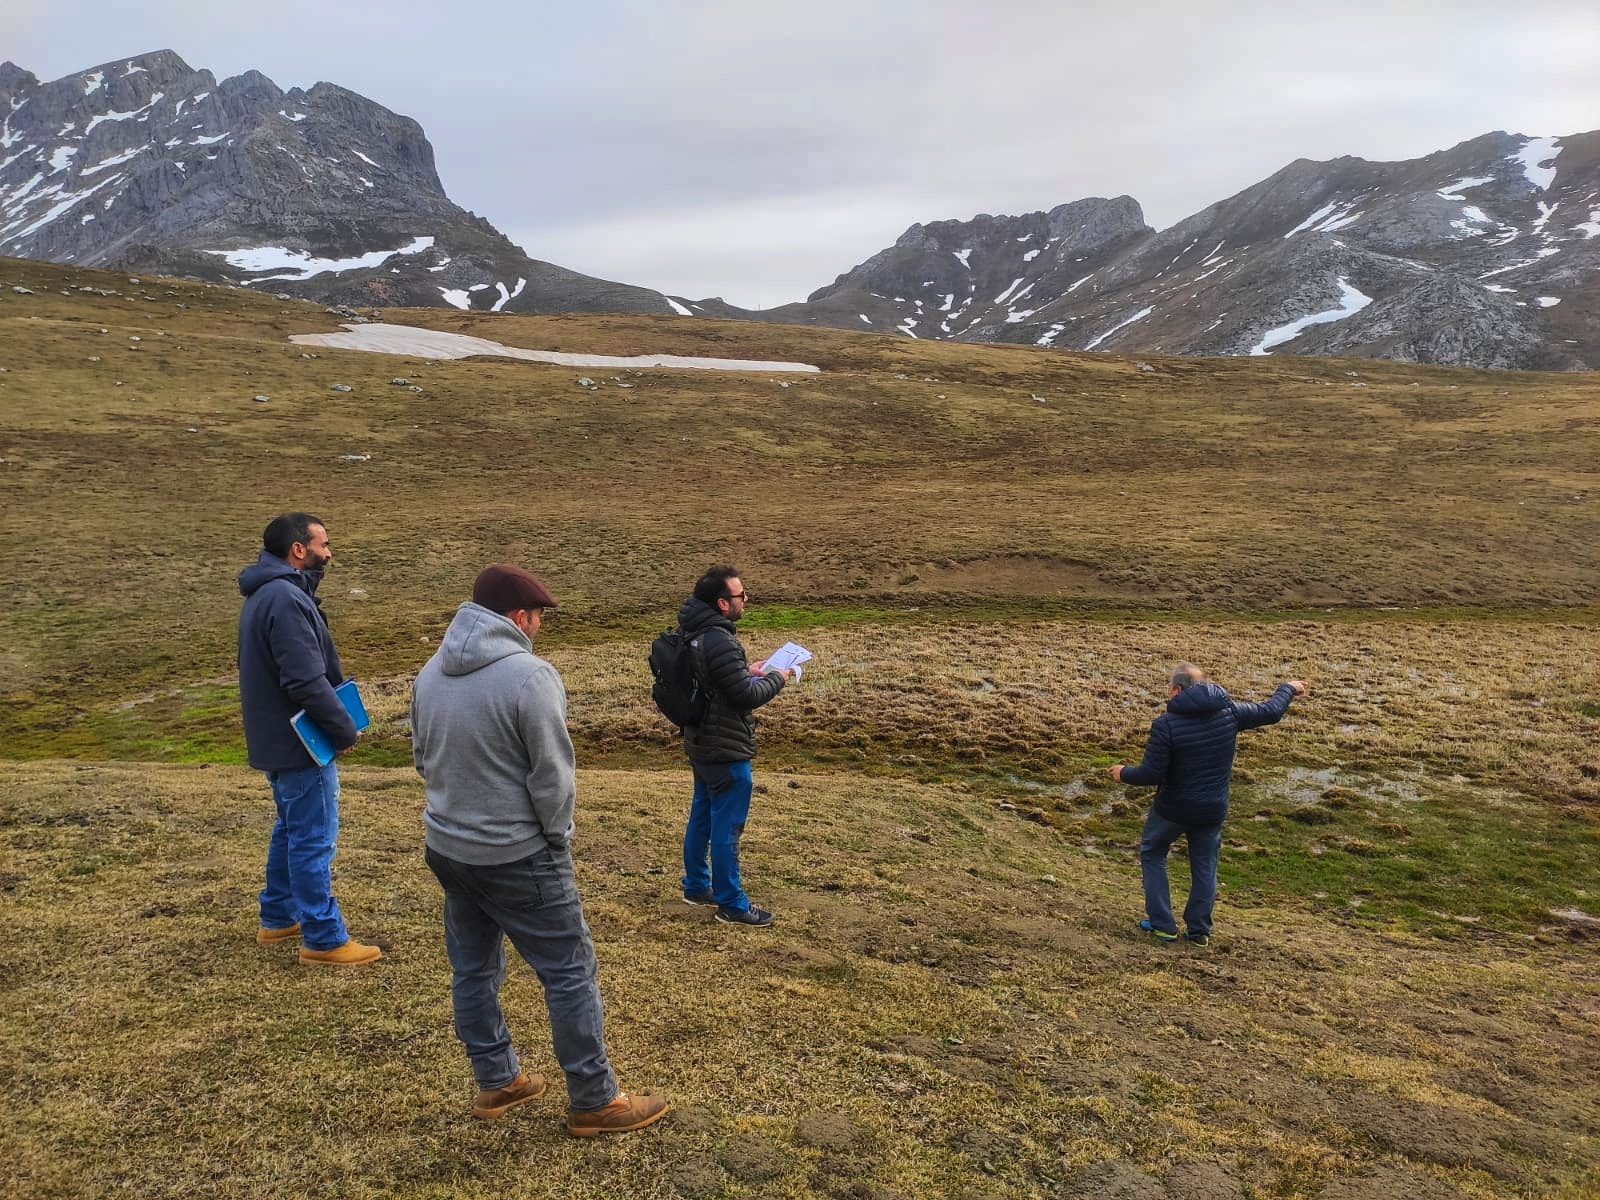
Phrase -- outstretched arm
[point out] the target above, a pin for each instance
(1271, 710)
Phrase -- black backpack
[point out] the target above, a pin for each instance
(676, 691)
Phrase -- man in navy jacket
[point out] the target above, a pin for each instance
(1189, 760)
(287, 662)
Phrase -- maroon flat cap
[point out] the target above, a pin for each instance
(503, 588)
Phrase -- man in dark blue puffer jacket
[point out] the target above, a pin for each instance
(1189, 760)
(287, 662)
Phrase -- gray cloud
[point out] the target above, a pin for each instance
(755, 150)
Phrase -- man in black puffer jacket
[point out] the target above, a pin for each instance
(1189, 759)
(721, 746)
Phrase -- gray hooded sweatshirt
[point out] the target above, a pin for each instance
(489, 738)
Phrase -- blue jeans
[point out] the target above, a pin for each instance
(716, 823)
(534, 902)
(1205, 843)
(300, 857)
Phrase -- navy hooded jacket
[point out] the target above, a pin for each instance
(286, 662)
(1189, 757)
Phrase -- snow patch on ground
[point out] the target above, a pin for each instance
(434, 343)
(505, 295)
(1138, 316)
(1329, 217)
(297, 264)
(1015, 284)
(56, 210)
(112, 161)
(1534, 153)
(1351, 301)
(1451, 191)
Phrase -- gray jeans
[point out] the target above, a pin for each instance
(1205, 844)
(535, 903)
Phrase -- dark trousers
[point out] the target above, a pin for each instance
(535, 903)
(1205, 843)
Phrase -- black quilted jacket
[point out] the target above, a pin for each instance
(728, 732)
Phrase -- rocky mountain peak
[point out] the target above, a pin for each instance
(1484, 254)
(14, 81)
(251, 87)
(147, 163)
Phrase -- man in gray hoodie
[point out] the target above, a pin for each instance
(489, 737)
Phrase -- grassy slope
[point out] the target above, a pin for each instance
(995, 551)
(907, 472)
(953, 1003)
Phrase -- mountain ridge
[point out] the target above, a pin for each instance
(321, 194)
(1398, 260)
(1484, 254)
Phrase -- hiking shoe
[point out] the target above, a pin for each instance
(351, 954)
(758, 917)
(622, 1114)
(1160, 935)
(1198, 939)
(491, 1102)
(704, 898)
(287, 933)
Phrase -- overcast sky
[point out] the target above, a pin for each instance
(754, 150)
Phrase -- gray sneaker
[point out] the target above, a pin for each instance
(705, 898)
(758, 917)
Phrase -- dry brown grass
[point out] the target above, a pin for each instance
(952, 1004)
(908, 472)
(1510, 702)
(995, 552)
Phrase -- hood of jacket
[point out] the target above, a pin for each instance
(1199, 700)
(695, 616)
(477, 638)
(269, 567)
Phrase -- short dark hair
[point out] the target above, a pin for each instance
(713, 585)
(285, 529)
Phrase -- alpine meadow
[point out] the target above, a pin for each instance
(995, 554)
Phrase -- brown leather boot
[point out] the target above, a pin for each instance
(622, 1114)
(491, 1102)
(268, 936)
(351, 954)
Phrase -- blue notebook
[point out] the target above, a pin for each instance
(317, 743)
